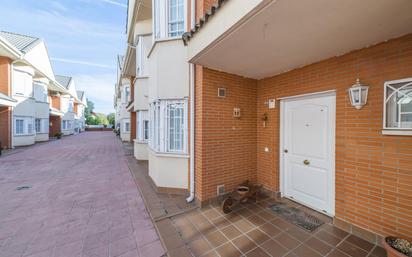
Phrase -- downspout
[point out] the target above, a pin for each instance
(11, 135)
(192, 114)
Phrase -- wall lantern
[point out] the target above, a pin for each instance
(358, 95)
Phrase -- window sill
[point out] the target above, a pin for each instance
(391, 132)
(169, 155)
(140, 141)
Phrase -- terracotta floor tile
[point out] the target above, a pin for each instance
(205, 227)
(211, 214)
(173, 241)
(244, 244)
(255, 220)
(359, 242)
(328, 238)
(231, 232)
(244, 212)
(282, 224)
(286, 240)
(337, 232)
(337, 253)
(199, 246)
(258, 252)
(220, 222)
(243, 225)
(166, 227)
(266, 215)
(274, 249)
(228, 250)
(352, 250)
(320, 246)
(305, 251)
(378, 252)
(216, 238)
(298, 233)
(258, 236)
(211, 254)
(180, 252)
(270, 229)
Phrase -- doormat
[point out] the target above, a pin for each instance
(296, 216)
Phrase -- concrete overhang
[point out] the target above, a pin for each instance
(6, 101)
(262, 38)
(55, 112)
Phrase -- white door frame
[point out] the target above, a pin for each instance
(281, 144)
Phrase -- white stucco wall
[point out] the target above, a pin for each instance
(141, 94)
(140, 151)
(169, 71)
(168, 171)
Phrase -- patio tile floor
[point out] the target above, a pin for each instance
(251, 230)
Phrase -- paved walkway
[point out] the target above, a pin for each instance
(81, 201)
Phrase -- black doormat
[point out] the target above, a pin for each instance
(296, 216)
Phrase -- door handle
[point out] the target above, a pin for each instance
(306, 162)
(285, 151)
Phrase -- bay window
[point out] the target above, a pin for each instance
(126, 126)
(168, 126)
(23, 126)
(143, 126)
(398, 105)
(41, 125)
(169, 18)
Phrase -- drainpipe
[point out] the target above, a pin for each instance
(192, 114)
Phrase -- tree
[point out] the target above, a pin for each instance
(110, 119)
(89, 109)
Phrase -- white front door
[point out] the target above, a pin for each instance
(308, 131)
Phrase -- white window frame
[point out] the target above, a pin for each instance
(395, 130)
(28, 126)
(27, 87)
(37, 125)
(126, 121)
(161, 20)
(19, 130)
(143, 126)
(160, 127)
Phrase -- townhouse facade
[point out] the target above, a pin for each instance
(316, 109)
(156, 65)
(79, 112)
(121, 101)
(28, 86)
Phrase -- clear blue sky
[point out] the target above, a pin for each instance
(83, 38)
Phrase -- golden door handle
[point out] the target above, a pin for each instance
(306, 162)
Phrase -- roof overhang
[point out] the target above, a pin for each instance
(129, 68)
(137, 10)
(8, 50)
(55, 112)
(7, 101)
(262, 38)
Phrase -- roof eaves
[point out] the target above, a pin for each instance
(202, 21)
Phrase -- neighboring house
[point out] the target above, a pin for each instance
(156, 61)
(122, 100)
(6, 101)
(27, 76)
(79, 108)
(275, 105)
(67, 103)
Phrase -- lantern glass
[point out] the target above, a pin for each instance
(358, 95)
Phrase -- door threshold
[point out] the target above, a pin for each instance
(311, 208)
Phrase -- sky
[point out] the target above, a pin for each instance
(83, 38)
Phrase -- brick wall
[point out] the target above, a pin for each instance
(226, 146)
(5, 86)
(5, 112)
(5, 127)
(373, 172)
(55, 102)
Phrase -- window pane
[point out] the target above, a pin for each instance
(399, 105)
